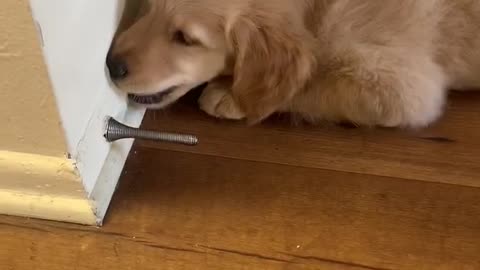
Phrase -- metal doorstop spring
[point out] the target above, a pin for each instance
(117, 131)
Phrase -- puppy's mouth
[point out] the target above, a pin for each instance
(151, 99)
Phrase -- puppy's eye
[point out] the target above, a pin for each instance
(181, 38)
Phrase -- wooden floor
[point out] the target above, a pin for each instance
(279, 197)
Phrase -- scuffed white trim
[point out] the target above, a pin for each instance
(112, 167)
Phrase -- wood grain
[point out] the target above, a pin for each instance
(186, 211)
(448, 152)
(278, 196)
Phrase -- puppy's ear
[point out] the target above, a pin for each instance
(273, 62)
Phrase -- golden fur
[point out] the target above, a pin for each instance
(376, 62)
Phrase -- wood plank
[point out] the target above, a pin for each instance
(184, 211)
(448, 152)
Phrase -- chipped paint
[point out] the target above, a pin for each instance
(44, 187)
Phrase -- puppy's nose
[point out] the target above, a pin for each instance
(117, 67)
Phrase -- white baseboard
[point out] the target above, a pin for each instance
(110, 172)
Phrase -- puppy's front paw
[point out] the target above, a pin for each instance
(219, 102)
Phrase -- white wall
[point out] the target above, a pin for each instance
(76, 36)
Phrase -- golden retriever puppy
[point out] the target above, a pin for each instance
(376, 62)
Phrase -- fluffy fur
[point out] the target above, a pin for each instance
(375, 63)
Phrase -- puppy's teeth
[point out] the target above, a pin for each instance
(150, 99)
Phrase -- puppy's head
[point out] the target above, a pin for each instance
(172, 47)
(179, 44)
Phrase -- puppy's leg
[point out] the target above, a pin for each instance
(390, 94)
(217, 100)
